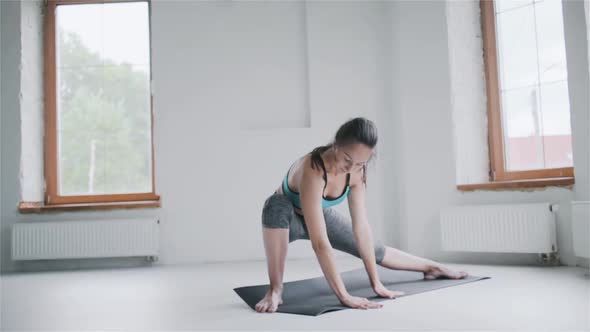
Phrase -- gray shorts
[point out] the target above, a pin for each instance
(278, 212)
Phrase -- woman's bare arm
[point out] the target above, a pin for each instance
(310, 189)
(362, 230)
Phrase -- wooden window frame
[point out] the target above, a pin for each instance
(51, 159)
(498, 171)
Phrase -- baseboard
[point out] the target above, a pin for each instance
(77, 264)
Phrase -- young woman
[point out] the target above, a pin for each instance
(301, 209)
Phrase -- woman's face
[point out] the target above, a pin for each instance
(352, 157)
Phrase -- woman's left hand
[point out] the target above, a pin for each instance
(382, 291)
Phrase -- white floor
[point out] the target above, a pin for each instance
(200, 297)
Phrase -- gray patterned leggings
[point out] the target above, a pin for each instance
(278, 212)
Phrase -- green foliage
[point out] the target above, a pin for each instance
(108, 103)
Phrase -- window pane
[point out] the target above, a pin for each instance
(78, 35)
(556, 125)
(533, 85)
(550, 39)
(126, 36)
(104, 120)
(79, 130)
(516, 47)
(523, 143)
(537, 131)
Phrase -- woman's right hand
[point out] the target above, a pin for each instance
(359, 302)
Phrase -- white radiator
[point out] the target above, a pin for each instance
(518, 228)
(581, 228)
(85, 239)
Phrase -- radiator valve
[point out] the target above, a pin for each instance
(151, 259)
(549, 259)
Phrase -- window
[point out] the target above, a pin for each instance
(98, 111)
(527, 90)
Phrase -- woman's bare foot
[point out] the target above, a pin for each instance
(270, 302)
(440, 270)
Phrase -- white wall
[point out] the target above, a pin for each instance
(9, 119)
(213, 169)
(579, 88)
(214, 187)
(283, 62)
(587, 11)
(384, 60)
(423, 110)
(1, 95)
(468, 92)
(31, 101)
(427, 157)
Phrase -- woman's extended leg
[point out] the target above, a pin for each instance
(342, 238)
(397, 259)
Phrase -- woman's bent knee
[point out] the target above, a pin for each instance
(277, 212)
(379, 253)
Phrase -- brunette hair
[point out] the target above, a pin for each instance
(356, 130)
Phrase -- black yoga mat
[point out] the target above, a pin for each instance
(314, 296)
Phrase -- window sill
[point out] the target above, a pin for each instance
(531, 184)
(38, 207)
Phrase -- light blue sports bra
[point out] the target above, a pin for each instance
(326, 201)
